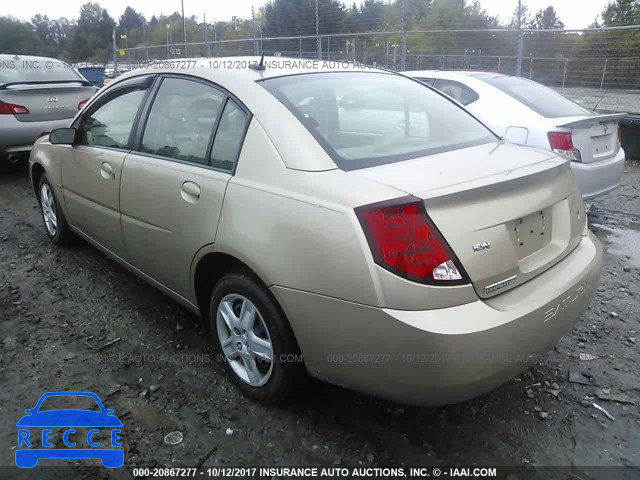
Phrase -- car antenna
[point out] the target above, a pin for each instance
(258, 66)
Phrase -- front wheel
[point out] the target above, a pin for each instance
(55, 222)
(254, 339)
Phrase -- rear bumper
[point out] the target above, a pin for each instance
(448, 355)
(597, 178)
(18, 137)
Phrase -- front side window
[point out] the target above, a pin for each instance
(182, 120)
(110, 125)
(364, 119)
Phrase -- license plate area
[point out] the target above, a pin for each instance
(531, 233)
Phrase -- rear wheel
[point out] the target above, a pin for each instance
(254, 339)
(55, 222)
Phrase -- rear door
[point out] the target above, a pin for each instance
(174, 183)
(92, 167)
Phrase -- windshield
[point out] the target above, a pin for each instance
(365, 119)
(537, 97)
(38, 70)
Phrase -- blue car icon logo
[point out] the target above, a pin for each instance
(71, 420)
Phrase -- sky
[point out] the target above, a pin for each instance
(574, 13)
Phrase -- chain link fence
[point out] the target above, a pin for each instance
(598, 68)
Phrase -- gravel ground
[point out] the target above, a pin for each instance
(61, 307)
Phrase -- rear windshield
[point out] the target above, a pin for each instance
(38, 70)
(363, 119)
(538, 98)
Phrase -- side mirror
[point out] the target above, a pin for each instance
(63, 136)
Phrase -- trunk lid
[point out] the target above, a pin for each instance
(596, 137)
(46, 101)
(508, 212)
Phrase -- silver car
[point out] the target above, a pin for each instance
(394, 246)
(37, 95)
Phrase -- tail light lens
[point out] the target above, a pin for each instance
(404, 240)
(83, 103)
(561, 143)
(12, 109)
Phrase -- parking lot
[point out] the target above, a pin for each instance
(74, 320)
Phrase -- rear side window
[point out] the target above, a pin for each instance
(182, 120)
(538, 98)
(110, 124)
(363, 119)
(229, 137)
(456, 90)
(428, 81)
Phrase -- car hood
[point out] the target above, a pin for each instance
(69, 418)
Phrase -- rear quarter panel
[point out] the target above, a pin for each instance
(297, 229)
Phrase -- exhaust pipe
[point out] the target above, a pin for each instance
(13, 158)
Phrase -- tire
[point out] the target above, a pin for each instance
(246, 352)
(55, 223)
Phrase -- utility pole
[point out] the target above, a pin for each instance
(115, 54)
(206, 27)
(253, 27)
(144, 38)
(520, 41)
(403, 40)
(318, 40)
(184, 29)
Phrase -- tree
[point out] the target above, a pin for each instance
(520, 17)
(621, 12)
(131, 19)
(91, 40)
(546, 19)
(18, 37)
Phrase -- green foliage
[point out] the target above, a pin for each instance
(622, 12)
(546, 19)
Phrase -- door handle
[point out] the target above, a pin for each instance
(107, 171)
(190, 192)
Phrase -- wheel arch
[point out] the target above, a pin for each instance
(36, 172)
(210, 266)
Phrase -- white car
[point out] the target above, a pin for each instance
(526, 112)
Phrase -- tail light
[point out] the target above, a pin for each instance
(561, 143)
(12, 109)
(404, 240)
(83, 103)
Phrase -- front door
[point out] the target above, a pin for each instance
(91, 172)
